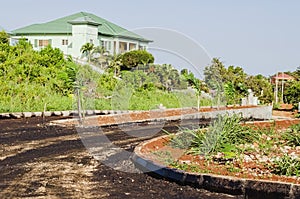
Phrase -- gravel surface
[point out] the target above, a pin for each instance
(42, 161)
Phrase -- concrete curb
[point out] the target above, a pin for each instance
(243, 188)
(122, 118)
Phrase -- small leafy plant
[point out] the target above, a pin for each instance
(292, 135)
(164, 156)
(287, 165)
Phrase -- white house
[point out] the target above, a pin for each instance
(70, 33)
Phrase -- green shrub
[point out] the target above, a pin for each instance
(223, 135)
(133, 58)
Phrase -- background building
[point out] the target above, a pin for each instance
(70, 33)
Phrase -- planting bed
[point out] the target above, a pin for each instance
(256, 164)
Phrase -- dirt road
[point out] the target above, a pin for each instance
(42, 161)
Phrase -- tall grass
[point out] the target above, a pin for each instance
(22, 97)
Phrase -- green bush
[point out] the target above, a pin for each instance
(292, 92)
(4, 37)
(132, 58)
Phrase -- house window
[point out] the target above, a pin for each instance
(132, 46)
(106, 44)
(122, 47)
(44, 42)
(115, 46)
(64, 42)
(109, 45)
(142, 47)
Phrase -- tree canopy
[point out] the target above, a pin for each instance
(234, 83)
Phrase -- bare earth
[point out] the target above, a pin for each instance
(41, 161)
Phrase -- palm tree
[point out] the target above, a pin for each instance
(115, 64)
(87, 49)
(196, 84)
(103, 57)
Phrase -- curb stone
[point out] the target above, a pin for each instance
(5, 115)
(27, 114)
(295, 191)
(16, 115)
(267, 189)
(66, 113)
(37, 114)
(89, 112)
(47, 113)
(227, 185)
(57, 113)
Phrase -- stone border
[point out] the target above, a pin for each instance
(244, 188)
(17, 115)
(261, 112)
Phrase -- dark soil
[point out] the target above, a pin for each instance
(42, 161)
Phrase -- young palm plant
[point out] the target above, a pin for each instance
(87, 49)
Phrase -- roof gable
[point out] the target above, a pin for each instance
(62, 26)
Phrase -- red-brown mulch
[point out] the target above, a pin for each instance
(246, 169)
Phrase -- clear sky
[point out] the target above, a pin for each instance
(262, 36)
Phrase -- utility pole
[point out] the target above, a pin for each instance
(276, 89)
(282, 86)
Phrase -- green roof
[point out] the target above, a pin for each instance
(64, 26)
(84, 20)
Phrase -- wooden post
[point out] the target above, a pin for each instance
(79, 105)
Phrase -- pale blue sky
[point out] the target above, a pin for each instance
(260, 36)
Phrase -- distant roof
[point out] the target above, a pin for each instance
(64, 26)
(282, 76)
